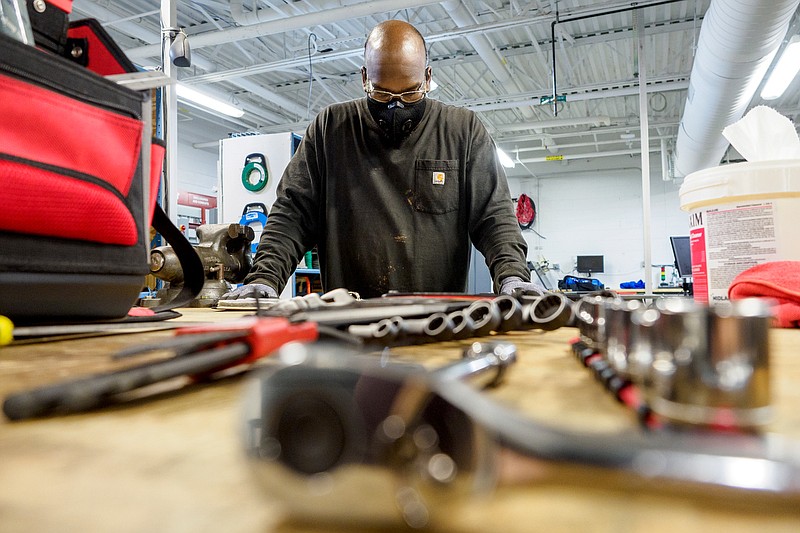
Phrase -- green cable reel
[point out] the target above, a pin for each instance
(254, 174)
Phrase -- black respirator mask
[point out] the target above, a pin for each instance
(396, 119)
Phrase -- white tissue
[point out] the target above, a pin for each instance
(763, 134)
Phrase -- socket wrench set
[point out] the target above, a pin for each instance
(690, 363)
(340, 435)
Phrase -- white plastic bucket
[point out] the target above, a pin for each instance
(740, 215)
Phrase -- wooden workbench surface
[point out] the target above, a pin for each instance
(174, 462)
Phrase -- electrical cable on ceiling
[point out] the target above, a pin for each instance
(310, 72)
(517, 160)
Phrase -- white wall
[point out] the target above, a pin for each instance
(600, 213)
(197, 170)
(277, 151)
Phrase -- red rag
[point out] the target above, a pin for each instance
(779, 280)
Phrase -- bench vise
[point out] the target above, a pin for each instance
(224, 250)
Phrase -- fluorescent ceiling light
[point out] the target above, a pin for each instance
(784, 72)
(204, 100)
(504, 159)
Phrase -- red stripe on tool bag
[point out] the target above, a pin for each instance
(63, 5)
(157, 151)
(41, 125)
(40, 202)
(104, 56)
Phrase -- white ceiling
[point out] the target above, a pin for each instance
(284, 60)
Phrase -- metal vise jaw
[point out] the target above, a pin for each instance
(224, 251)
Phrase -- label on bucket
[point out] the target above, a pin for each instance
(728, 239)
(697, 245)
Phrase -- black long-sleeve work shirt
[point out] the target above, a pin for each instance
(388, 218)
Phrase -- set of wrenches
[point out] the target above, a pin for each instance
(479, 318)
(694, 364)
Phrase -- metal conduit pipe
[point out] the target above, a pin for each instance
(738, 40)
(666, 169)
(590, 155)
(539, 125)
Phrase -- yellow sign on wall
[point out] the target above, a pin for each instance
(554, 158)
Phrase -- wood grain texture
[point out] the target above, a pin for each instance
(174, 462)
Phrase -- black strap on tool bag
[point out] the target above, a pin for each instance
(193, 274)
(49, 22)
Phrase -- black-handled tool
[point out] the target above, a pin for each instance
(89, 392)
(197, 351)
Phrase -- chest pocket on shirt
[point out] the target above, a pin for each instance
(436, 186)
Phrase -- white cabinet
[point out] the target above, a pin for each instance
(250, 168)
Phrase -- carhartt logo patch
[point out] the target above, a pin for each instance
(438, 178)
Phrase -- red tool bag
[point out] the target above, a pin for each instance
(76, 201)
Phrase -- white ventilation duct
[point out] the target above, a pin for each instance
(738, 40)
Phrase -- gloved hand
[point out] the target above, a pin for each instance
(511, 284)
(251, 290)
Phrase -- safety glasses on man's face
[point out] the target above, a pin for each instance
(384, 97)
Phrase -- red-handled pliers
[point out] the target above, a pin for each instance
(262, 335)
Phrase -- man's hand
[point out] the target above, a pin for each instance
(252, 290)
(513, 284)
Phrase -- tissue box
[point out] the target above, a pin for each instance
(740, 215)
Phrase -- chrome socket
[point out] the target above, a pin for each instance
(618, 332)
(590, 315)
(704, 365)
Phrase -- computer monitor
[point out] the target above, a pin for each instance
(589, 264)
(683, 255)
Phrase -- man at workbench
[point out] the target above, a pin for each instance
(392, 188)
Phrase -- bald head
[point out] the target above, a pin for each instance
(395, 57)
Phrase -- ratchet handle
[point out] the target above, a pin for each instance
(92, 391)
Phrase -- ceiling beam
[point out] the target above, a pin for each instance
(283, 25)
